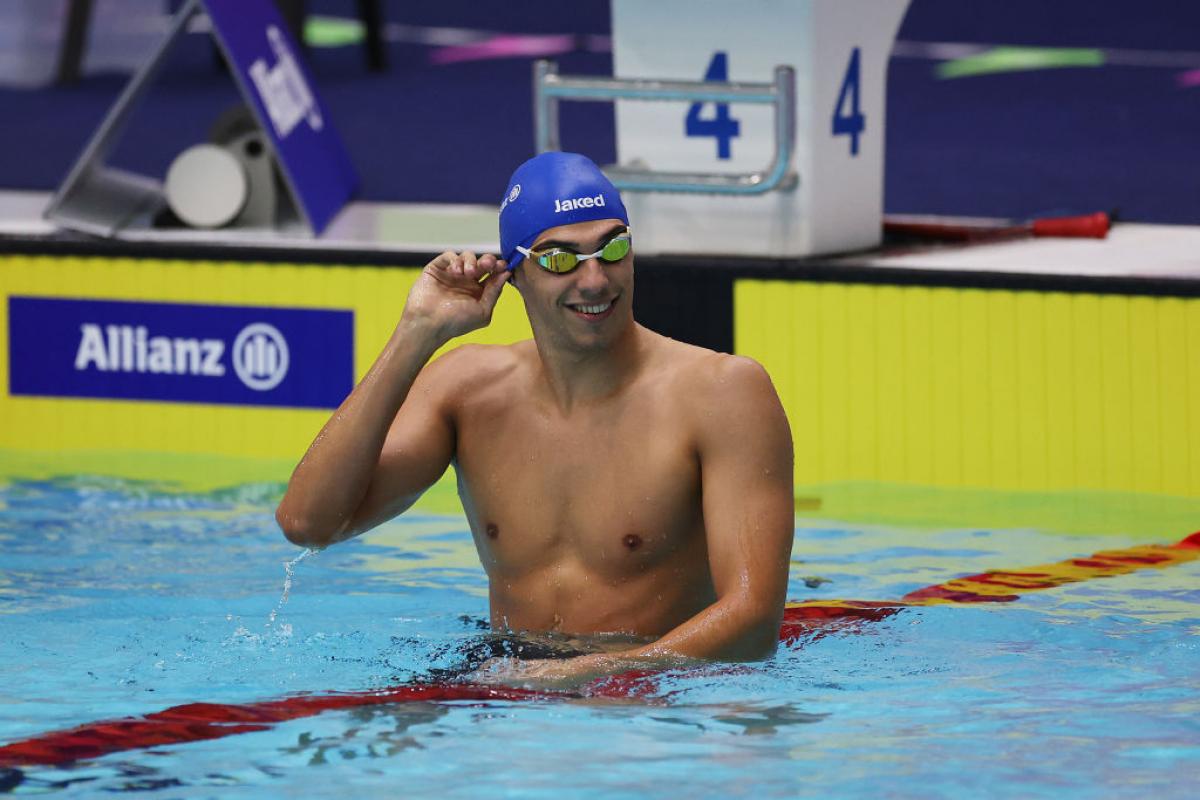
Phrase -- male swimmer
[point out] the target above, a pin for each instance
(615, 480)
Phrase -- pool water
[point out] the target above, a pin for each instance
(121, 598)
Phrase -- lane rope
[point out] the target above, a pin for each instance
(193, 722)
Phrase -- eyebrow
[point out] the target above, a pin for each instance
(613, 231)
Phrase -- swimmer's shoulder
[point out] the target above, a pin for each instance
(471, 369)
(714, 385)
(707, 372)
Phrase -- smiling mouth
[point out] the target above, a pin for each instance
(593, 311)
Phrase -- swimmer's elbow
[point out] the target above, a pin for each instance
(760, 623)
(303, 532)
(758, 641)
(764, 644)
(304, 529)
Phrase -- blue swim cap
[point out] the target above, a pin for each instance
(553, 189)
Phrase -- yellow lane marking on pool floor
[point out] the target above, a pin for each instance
(1003, 585)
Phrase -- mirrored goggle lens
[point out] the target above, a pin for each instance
(565, 260)
(616, 249)
(558, 261)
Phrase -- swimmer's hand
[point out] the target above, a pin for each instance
(570, 673)
(550, 673)
(456, 293)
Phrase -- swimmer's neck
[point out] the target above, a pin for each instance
(574, 376)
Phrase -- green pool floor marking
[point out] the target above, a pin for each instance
(1141, 517)
(1020, 59)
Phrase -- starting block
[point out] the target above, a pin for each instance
(747, 129)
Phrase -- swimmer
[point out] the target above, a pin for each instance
(616, 482)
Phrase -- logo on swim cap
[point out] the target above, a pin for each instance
(513, 194)
(578, 202)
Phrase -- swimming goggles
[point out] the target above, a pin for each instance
(563, 261)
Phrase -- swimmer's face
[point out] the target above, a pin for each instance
(588, 307)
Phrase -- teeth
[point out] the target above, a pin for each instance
(594, 309)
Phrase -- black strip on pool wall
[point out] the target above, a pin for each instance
(694, 307)
(818, 269)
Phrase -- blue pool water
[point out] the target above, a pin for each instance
(117, 599)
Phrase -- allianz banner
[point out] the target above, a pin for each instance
(232, 355)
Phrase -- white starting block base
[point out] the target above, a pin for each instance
(839, 50)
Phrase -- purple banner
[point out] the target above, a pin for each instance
(268, 66)
(228, 355)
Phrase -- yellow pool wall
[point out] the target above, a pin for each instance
(938, 406)
(981, 388)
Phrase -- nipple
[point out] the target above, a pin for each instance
(493, 532)
(632, 541)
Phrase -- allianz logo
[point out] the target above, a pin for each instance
(578, 202)
(259, 353)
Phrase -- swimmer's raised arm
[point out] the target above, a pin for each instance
(348, 481)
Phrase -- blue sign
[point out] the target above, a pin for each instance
(230, 355)
(266, 61)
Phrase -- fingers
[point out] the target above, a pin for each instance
(448, 269)
(493, 286)
(444, 260)
(453, 263)
(469, 265)
(489, 263)
(494, 670)
(466, 266)
(479, 268)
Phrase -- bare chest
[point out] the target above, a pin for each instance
(613, 495)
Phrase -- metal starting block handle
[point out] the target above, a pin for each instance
(549, 87)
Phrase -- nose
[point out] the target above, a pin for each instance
(593, 278)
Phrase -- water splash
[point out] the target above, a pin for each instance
(289, 570)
